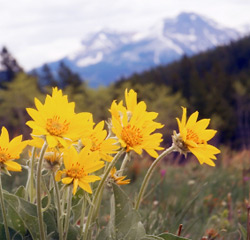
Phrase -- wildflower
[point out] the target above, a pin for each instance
(57, 121)
(10, 150)
(96, 139)
(133, 125)
(77, 168)
(193, 137)
(53, 159)
(118, 179)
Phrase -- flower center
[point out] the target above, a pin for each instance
(95, 145)
(76, 171)
(191, 135)
(131, 135)
(4, 156)
(56, 127)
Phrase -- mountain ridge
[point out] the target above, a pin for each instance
(107, 55)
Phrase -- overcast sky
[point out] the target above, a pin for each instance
(39, 31)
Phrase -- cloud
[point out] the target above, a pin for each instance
(41, 31)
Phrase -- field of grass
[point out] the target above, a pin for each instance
(208, 201)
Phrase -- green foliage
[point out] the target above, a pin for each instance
(215, 83)
(125, 222)
(14, 98)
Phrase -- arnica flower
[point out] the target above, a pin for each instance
(96, 139)
(118, 179)
(134, 126)
(194, 136)
(10, 150)
(78, 166)
(53, 159)
(57, 121)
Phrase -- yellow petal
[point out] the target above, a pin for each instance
(4, 138)
(91, 178)
(58, 176)
(184, 117)
(67, 180)
(85, 186)
(192, 119)
(52, 141)
(13, 166)
(75, 185)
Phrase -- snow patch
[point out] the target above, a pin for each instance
(131, 56)
(90, 60)
(210, 37)
(102, 36)
(193, 17)
(184, 37)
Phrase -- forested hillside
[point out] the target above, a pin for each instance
(216, 83)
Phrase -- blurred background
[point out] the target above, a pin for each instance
(173, 53)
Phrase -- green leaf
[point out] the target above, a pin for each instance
(151, 237)
(27, 213)
(15, 221)
(13, 234)
(170, 236)
(21, 192)
(127, 221)
(243, 231)
(77, 210)
(73, 232)
(49, 217)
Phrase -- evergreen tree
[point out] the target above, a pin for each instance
(8, 66)
(67, 77)
(46, 77)
(14, 99)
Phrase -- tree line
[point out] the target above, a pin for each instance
(215, 82)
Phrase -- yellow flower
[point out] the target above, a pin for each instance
(118, 180)
(53, 159)
(96, 139)
(195, 135)
(10, 150)
(134, 126)
(77, 168)
(57, 121)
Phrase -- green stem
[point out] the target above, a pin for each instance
(66, 224)
(32, 167)
(99, 200)
(98, 192)
(83, 214)
(4, 211)
(38, 192)
(59, 209)
(124, 163)
(149, 174)
(30, 180)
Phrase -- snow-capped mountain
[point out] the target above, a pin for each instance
(107, 55)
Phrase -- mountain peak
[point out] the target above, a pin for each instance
(108, 55)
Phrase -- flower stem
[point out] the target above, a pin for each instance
(124, 162)
(83, 214)
(38, 192)
(149, 174)
(30, 180)
(59, 209)
(66, 224)
(32, 166)
(4, 211)
(98, 192)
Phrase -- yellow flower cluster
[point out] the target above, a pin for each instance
(195, 136)
(74, 140)
(134, 126)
